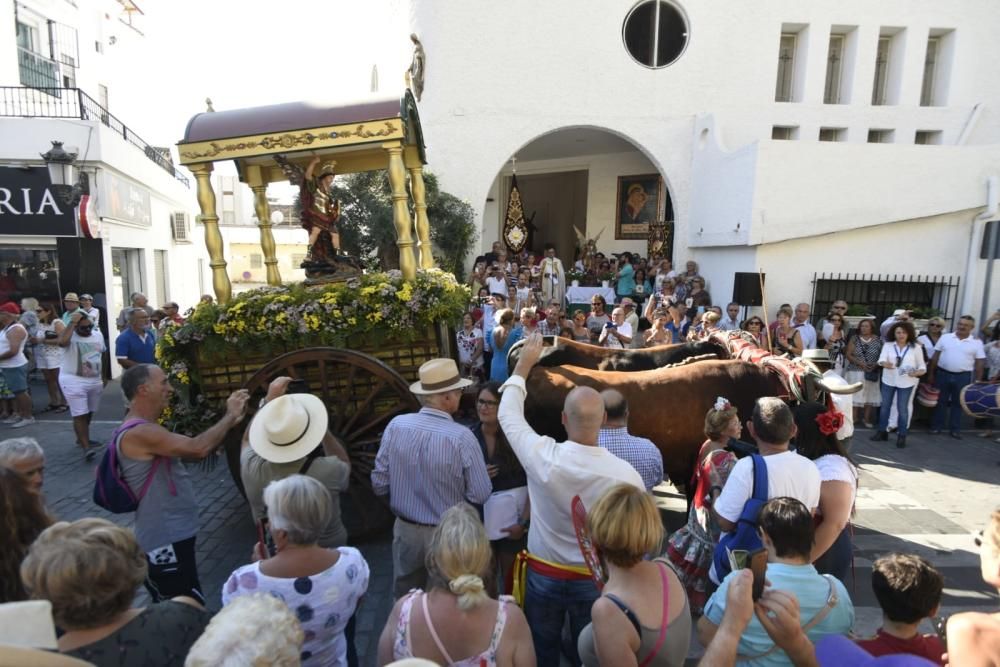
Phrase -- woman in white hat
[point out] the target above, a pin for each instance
(323, 586)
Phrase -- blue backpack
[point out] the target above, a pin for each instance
(111, 491)
(744, 536)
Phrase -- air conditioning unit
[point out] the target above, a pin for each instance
(179, 225)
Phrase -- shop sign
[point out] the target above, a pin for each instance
(125, 201)
(28, 207)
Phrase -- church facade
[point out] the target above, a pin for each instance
(832, 146)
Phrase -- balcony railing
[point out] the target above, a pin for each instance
(56, 102)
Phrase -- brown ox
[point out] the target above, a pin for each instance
(566, 352)
(667, 405)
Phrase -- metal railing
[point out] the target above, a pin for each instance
(884, 293)
(55, 102)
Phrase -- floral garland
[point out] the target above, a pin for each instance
(371, 308)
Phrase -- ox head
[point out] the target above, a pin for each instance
(816, 388)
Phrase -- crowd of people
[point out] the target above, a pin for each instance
(501, 533)
(67, 346)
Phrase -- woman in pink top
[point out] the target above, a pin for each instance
(456, 622)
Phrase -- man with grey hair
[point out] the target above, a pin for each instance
(788, 473)
(806, 330)
(137, 343)
(640, 453)
(166, 521)
(558, 471)
(426, 464)
(26, 457)
(136, 300)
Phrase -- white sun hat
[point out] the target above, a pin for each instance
(289, 427)
(438, 376)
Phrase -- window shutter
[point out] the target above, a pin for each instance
(179, 223)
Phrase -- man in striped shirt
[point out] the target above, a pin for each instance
(640, 453)
(426, 464)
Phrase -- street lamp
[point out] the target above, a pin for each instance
(68, 182)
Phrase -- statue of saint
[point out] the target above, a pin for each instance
(320, 213)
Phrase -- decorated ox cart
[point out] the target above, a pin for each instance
(357, 339)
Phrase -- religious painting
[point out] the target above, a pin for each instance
(639, 202)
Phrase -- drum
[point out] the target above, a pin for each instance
(979, 400)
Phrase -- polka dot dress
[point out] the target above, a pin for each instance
(323, 602)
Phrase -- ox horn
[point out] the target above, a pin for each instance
(849, 389)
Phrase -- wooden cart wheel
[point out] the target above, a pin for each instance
(362, 395)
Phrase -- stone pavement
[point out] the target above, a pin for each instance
(227, 533)
(928, 498)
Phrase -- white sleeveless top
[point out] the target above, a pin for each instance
(18, 359)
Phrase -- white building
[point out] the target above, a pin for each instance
(797, 137)
(58, 60)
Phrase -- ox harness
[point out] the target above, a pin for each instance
(791, 372)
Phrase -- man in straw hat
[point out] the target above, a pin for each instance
(166, 522)
(843, 402)
(558, 581)
(277, 444)
(426, 464)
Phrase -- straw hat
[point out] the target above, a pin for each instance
(438, 376)
(288, 428)
(71, 296)
(816, 355)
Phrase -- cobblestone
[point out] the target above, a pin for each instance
(226, 534)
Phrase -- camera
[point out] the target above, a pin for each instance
(610, 325)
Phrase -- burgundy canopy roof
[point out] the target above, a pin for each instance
(213, 125)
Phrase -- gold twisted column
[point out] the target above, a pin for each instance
(263, 209)
(420, 209)
(400, 212)
(213, 237)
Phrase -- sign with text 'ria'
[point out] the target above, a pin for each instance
(28, 207)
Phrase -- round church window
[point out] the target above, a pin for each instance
(655, 33)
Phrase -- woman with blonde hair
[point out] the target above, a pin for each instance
(643, 611)
(499, 340)
(277, 635)
(90, 571)
(456, 617)
(690, 549)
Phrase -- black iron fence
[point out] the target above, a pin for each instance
(31, 102)
(881, 294)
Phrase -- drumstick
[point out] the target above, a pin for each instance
(763, 300)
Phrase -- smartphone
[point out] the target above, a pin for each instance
(264, 537)
(940, 624)
(758, 566)
(298, 386)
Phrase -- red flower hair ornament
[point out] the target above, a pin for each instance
(830, 421)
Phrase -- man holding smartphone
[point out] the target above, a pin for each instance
(290, 424)
(617, 333)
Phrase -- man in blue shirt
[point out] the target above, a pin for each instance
(137, 343)
(825, 607)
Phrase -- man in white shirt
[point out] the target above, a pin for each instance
(788, 473)
(807, 332)
(958, 358)
(559, 583)
(730, 321)
(617, 333)
(843, 402)
(87, 306)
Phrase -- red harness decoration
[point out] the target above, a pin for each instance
(791, 372)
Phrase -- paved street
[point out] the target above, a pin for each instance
(928, 498)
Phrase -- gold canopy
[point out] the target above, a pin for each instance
(379, 134)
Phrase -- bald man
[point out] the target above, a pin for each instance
(558, 582)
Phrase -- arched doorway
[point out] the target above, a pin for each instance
(580, 177)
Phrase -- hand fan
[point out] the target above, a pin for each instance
(590, 555)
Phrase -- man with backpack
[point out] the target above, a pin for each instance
(166, 509)
(787, 474)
